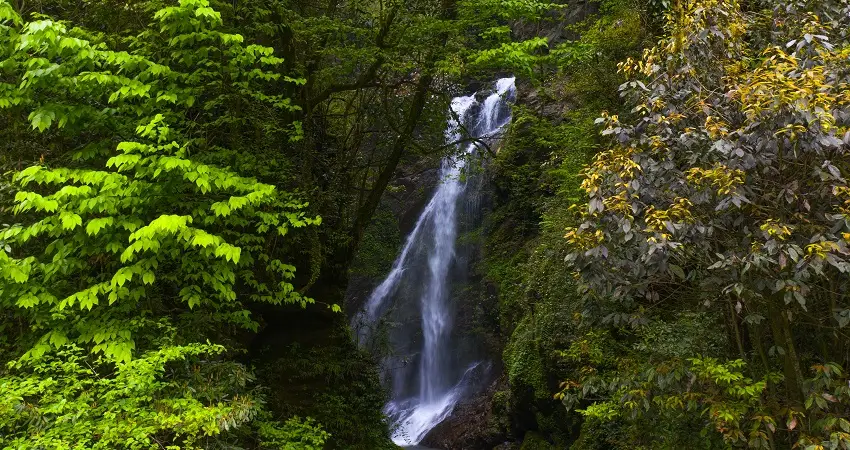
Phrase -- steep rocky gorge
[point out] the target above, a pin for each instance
(431, 356)
(510, 302)
(481, 420)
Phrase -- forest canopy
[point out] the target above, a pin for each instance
(191, 189)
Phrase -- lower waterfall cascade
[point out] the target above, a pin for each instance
(430, 379)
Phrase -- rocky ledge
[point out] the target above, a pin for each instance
(475, 424)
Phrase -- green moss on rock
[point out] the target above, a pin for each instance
(535, 441)
(379, 246)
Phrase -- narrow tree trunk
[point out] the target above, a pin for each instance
(364, 214)
(756, 331)
(790, 361)
(736, 332)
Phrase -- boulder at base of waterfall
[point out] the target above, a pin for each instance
(475, 424)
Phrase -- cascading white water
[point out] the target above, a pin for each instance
(433, 241)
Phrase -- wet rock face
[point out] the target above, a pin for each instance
(556, 29)
(433, 364)
(400, 206)
(475, 424)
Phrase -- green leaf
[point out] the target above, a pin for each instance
(27, 300)
(221, 209)
(8, 14)
(70, 220)
(58, 339)
(122, 276)
(94, 226)
(677, 271)
(41, 119)
(203, 239)
(17, 274)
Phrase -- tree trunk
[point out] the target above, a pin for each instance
(756, 331)
(783, 337)
(364, 214)
(736, 332)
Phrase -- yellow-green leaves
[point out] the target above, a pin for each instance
(167, 223)
(131, 404)
(70, 220)
(520, 57)
(95, 225)
(41, 119)
(229, 252)
(142, 235)
(114, 249)
(208, 13)
(8, 15)
(27, 300)
(124, 162)
(32, 201)
(15, 271)
(85, 299)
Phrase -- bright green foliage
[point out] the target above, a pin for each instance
(513, 9)
(139, 243)
(154, 211)
(516, 56)
(229, 78)
(499, 43)
(124, 233)
(63, 400)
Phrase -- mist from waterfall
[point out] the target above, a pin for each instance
(423, 399)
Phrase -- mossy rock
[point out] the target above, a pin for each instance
(535, 441)
(379, 246)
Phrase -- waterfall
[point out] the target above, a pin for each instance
(422, 272)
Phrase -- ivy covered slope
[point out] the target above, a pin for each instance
(126, 261)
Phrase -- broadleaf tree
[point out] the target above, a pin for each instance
(725, 192)
(125, 272)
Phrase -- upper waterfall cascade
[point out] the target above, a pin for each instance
(433, 380)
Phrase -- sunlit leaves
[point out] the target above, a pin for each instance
(70, 220)
(118, 237)
(102, 244)
(125, 406)
(513, 9)
(146, 242)
(8, 15)
(94, 226)
(41, 119)
(520, 57)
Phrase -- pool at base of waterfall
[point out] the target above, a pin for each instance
(417, 447)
